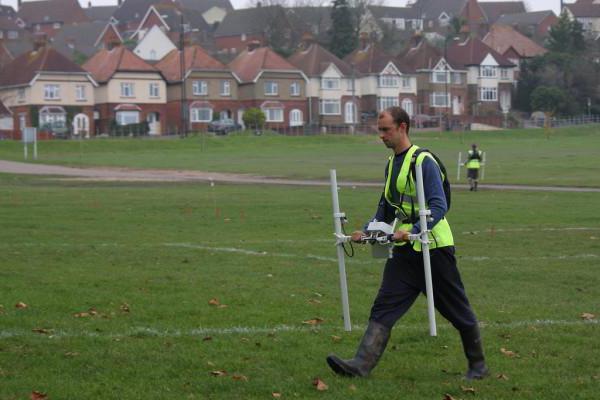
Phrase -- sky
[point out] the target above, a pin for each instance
(533, 5)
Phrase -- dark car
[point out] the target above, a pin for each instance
(223, 126)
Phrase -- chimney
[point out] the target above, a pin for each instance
(118, 2)
(89, 4)
(253, 45)
(307, 40)
(19, 2)
(364, 40)
(39, 41)
(258, 4)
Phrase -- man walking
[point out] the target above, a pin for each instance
(403, 276)
(473, 165)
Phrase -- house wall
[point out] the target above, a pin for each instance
(67, 90)
(155, 40)
(111, 92)
(236, 42)
(107, 115)
(214, 14)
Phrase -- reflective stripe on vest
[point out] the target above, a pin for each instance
(473, 163)
(441, 234)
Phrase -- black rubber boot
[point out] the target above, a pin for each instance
(471, 340)
(368, 354)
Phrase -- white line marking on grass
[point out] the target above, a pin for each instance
(548, 229)
(252, 330)
(554, 257)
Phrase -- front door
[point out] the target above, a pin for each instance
(153, 123)
(240, 118)
(349, 113)
(81, 125)
(456, 105)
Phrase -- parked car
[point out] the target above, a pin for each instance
(223, 126)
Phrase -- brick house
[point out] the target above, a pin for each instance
(384, 80)
(44, 89)
(331, 99)
(49, 16)
(269, 82)
(587, 12)
(9, 29)
(535, 25)
(130, 91)
(211, 89)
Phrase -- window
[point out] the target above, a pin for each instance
(488, 94)
(273, 114)
(51, 92)
(243, 37)
(153, 55)
(271, 88)
(201, 114)
(52, 118)
(199, 88)
(457, 78)
(330, 107)
(21, 94)
(440, 77)
(79, 92)
(487, 71)
(439, 99)
(385, 102)
(351, 84)
(407, 105)
(405, 82)
(296, 118)
(56, 25)
(295, 89)
(127, 117)
(504, 73)
(388, 81)
(126, 89)
(154, 89)
(225, 88)
(330, 83)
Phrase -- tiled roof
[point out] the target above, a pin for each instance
(585, 8)
(248, 64)
(205, 5)
(196, 58)
(133, 10)
(105, 63)
(370, 59)
(472, 52)
(494, 9)
(528, 18)
(8, 22)
(422, 56)
(78, 38)
(314, 60)
(100, 13)
(394, 12)
(249, 20)
(7, 10)
(432, 9)
(25, 67)
(314, 20)
(48, 11)
(503, 37)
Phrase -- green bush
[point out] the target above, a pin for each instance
(254, 118)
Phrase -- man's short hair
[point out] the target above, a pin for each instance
(399, 116)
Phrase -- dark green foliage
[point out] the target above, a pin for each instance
(343, 31)
(254, 118)
(139, 129)
(566, 36)
(548, 99)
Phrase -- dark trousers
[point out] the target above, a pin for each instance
(404, 279)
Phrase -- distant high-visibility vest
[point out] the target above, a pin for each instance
(408, 206)
(474, 159)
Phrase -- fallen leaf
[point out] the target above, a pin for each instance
(20, 305)
(125, 307)
(352, 387)
(35, 395)
(276, 395)
(222, 306)
(448, 397)
(313, 321)
(210, 363)
(81, 315)
(502, 377)
(206, 338)
(314, 301)
(218, 372)
(237, 377)
(43, 331)
(336, 338)
(71, 354)
(467, 389)
(508, 353)
(213, 302)
(587, 316)
(320, 385)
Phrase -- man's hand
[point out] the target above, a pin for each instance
(356, 236)
(400, 236)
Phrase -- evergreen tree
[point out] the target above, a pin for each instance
(566, 36)
(343, 32)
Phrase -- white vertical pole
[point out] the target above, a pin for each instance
(483, 166)
(459, 165)
(25, 149)
(423, 214)
(35, 144)
(337, 219)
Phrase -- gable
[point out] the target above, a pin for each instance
(442, 65)
(214, 14)
(390, 69)
(332, 72)
(154, 45)
(489, 60)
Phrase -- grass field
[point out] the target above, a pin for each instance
(562, 157)
(143, 261)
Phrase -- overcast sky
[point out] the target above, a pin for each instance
(533, 5)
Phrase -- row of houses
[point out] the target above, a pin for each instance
(116, 87)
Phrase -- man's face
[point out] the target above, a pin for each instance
(389, 133)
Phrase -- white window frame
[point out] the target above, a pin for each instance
(389, 81)
(195, 113)
(80, 93)
(295, 89)
(488, 71)
(51, 92)
(405, 82)
(504, 74)
(488, 93)
(127, 89)
(53, 120)
(153, 55)
(122, 116)
(435, 97)
(271, 88)
(56, 25)
(199, 88)
(273, 114)
(457, 78)
(409, 106)
(225, 87)
(330, 107)
(387, 101)
(21, 94)
(154, 90)
(296, 117)
(436, 75)
(330, 83)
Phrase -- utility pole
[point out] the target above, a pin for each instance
(182, 71)
(446, 79)
(354, 106)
